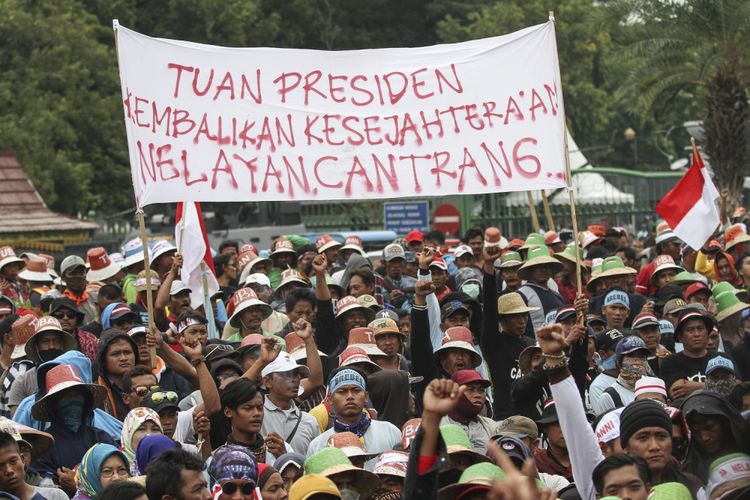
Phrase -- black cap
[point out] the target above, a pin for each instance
(161, 400)
(515, 449)
(549, 414)
(67, 303)
(608, 340)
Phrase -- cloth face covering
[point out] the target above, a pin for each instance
(70, 412)
(632, 370)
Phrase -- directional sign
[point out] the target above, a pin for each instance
(405, 216)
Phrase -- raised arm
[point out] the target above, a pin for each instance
(489, 336)
(303, 329)
(162, 298)
(325, 333)
(172, 358)
(423, 363)
(206, 384)
(270, 347)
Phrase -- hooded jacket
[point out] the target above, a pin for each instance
(117, 407)
(101, 420)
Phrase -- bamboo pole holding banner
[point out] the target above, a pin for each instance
(547, 212)
(532, 209)
(571, 196)
(149, 293)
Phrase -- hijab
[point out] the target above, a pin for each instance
(149, 448)
(356, 261)
(132, 423)
(87, 478)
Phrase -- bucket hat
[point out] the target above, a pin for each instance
(458, 443)
(533, 240)
(102, 267)
(295, 346)
(734, 235)
(8, 256)
(36, 270)
(513, 303)
(40, 442)
(569, 255)
(509, 259)
(459, 337)
(350, 444)
(332, 461)
(325, 242)
(364, 338)
(353, 243)
(161, 247)
(349, 303)
(283, 246)
(662, 263)
(728, 304)
(690, 314)
(59, 379)
(43, 325)
(355, 355)
(539, 256)
(132, 251)
(243, 299)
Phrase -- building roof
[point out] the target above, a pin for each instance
(22, 210)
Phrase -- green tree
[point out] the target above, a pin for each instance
(694, 47)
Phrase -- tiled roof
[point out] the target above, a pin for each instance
(22, 210)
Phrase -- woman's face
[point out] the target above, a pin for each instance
(113, 469)
(274, 488)
(723, 266)
(288, 476)
(146, 428)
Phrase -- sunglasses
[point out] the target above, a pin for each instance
(142, 390)
(65, 315)
(158, 397)
(231, 488)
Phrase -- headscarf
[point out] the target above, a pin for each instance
(132, 423)
(87, 477)
(265, 472)
(389, 395)
(150, 448)
(232, 461)
(732, 277)
(288, 459)
(356, 261)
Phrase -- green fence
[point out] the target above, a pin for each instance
(610, 195)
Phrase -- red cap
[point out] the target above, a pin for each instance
(515, 244)
(463, 377)
(439, 263)
(696, 287)
(597, 229)
(414, 236)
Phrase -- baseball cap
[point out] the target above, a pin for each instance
(630, 344)
(284, 363)
(666, 327)
(259, 279)
(720, 363)
(415, 235)
(463, 250)
(607, 340)
(674, 306)
(516, 449)
(518, 426)
(463, 377)
(160, 400)
(439, 263)
(313, 484)
(452, 308)
(71, 262)
(564, 313)
(393, 251)
(696, 288)
(643, 320)
(608, 427)
(177, 287)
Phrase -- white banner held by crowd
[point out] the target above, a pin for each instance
(208, 123)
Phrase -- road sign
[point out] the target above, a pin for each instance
(405, 216)
(447, 219)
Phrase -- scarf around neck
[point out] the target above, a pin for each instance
(359, 428)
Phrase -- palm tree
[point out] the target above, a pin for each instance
(697, 47)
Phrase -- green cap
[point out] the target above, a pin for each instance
(457, 441)
(510, 259)
(670, 491)
(727, 304)
(534, 240)
(685, 278)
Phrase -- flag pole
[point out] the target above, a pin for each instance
(571, 197)
(532, 209)
(207, 307)
(547, 211)
(149, 293)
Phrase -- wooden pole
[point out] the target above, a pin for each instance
(547, 212)
(532, 209)
(149, 293)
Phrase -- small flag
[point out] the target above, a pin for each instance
(190, 233)
(690, 208)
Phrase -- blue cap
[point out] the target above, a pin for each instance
(720, 363)
(666, 327)
(617, 297)
(629, 344)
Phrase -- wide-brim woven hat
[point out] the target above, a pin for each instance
(512, 303)
(539, 256)
(41, 410)
(244, 299)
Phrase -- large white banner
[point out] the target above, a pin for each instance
(208, 123)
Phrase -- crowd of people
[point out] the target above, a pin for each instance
(480, 370)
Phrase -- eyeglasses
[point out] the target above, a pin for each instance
(120, 471)
(142, 390)
(230, 488)
(64, 314)
(158, 397)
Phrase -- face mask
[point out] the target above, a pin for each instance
(49, 354)
(607, 364)
(70, 412)
(347, 494)
(722, 386)
(632, 370)
(472, 290)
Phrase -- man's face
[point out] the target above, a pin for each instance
(355, 318)
(248, 416)
(144, 353)
(124, 323)
(466, 260)
(710, 434)
(455, 359)
(540, 274)
(476, 393)
(10, 271)
(140, 385)
(416, 246)
(120, 358)
(723, 266)
(179, 303)
(331, 254)
(193, 486)
(12, 475)
(302, 309)
(164, 261)
(672, 249)
(348, 401)
(283, 260)
(458, 318)
(195, 333)
(665, 277)
(283, 385)
(67, 318)
(713, 341)
(404, 324)
(395, 268)
(265, 294)
(251, 318)
(49, 340)
(168, 417)
(625, 260)
(514, 324)
(389, 343)
(476, 244)
(510, 277)
(555, 435)
(654, 445)
(616, 314)
(694, 335)
(75, 279)
(650, 336)
(745, 268)
(439, 277)
(625, 483)
(357, 287)
(699, 298)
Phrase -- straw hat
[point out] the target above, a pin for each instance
(533, 240)
(40, 442)
(476, 478)
(8, 256)
(43, 325)
(687, 278)
(331, 461)
(539, 256)
(509, 259)
(325, 242)
(459, 337)
(36, 270)
(457, 442)
(513, 303)
(58, 380)
(728, 304)
(734, 235)
(102, 267)
(364, 338)
(569, 255)
(614, 266)
(662, 263)
(243, 299)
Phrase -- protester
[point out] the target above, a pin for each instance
(12, 479)
(101, 466)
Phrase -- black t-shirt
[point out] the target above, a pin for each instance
(678, 366)
(503, 365)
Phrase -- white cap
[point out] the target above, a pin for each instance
(284, 363)
(393, 251)
(177, 287)
(645, 385)
(608, 427)
(71, 262)
(258, 278)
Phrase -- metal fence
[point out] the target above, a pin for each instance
(606, 195)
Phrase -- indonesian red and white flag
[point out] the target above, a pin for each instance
(690, 207)
(190, 233)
